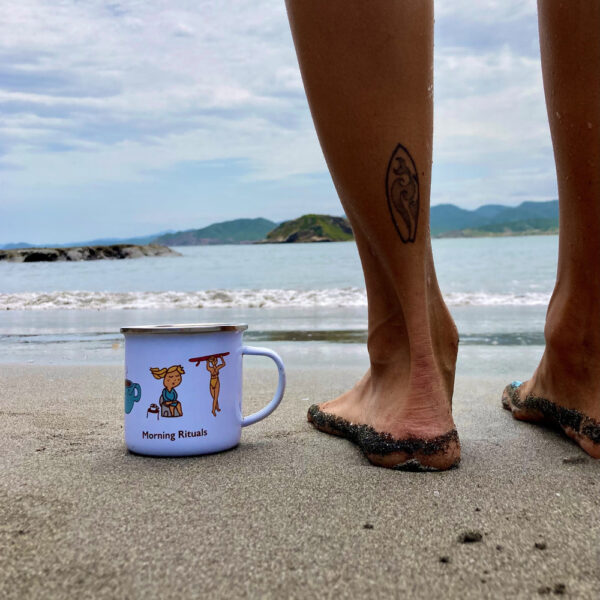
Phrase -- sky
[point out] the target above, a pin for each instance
(127, 118)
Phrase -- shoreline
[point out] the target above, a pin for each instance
(290, 512)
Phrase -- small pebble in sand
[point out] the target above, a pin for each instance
(541, 545)
(436, 494)
(544, 589)
(499, 548)
(559, 589)
(574, 460)
(469, 537)
(477, 509)
(367, 526)
(444, 559)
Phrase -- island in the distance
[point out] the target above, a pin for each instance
(311, 228)
(113, 251)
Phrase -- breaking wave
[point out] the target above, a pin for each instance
(265, 298)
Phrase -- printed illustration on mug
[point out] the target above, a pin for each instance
(133, 394)
(214, 363)
(170, 406)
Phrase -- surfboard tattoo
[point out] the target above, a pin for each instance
(402, 190)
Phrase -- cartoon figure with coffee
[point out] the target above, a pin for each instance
(169, 405)
(213, 367)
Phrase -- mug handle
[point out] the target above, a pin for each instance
(269, 408)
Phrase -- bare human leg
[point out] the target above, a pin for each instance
(565, 388)
(367, 69)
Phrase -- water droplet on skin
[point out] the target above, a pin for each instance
(557, 115)
(589, 125)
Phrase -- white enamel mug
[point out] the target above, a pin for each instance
(183, 388)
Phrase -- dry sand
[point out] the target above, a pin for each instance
(291, 512)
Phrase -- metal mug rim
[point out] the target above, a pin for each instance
(185, 328)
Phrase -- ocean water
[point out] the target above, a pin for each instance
(306, 301)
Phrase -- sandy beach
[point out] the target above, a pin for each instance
(291, 512)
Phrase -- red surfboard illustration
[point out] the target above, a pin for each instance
(199, 359)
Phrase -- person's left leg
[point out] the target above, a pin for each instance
(367, 69)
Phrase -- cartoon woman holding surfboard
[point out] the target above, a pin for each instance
(213, 367)
(214, 363)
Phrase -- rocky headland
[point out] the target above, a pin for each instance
(311, 228)
(112, 252)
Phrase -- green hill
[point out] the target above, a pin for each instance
(448, 220)
(238, 231)
(525, 227)
(312, 228)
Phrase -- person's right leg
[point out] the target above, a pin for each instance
(565, 389)
(367, 69)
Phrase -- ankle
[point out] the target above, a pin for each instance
(572, 330)
(387, 342)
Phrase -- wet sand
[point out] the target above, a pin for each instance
(291, 512)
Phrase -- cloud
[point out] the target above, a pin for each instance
(116, 93)
(485, 12)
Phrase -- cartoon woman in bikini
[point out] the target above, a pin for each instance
(169, 405)
(213, 367)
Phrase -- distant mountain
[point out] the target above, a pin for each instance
(525, 227)
(144, 239)
(312, 228)
(489, 211)
(238, 231)
(448, 220)
(447, 217)
(140, 241)
(16, 245)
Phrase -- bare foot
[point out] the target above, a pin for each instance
(564, 391)
(399, 413)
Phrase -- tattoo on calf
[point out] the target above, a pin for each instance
(402, 190)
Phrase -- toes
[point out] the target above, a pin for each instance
(327, 422)
(585, 433)
(509, 393)
(511, 400)
(506, 398)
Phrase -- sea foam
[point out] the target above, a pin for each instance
(263, 298)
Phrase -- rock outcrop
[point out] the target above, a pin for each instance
(311, 228)
(115, 251)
